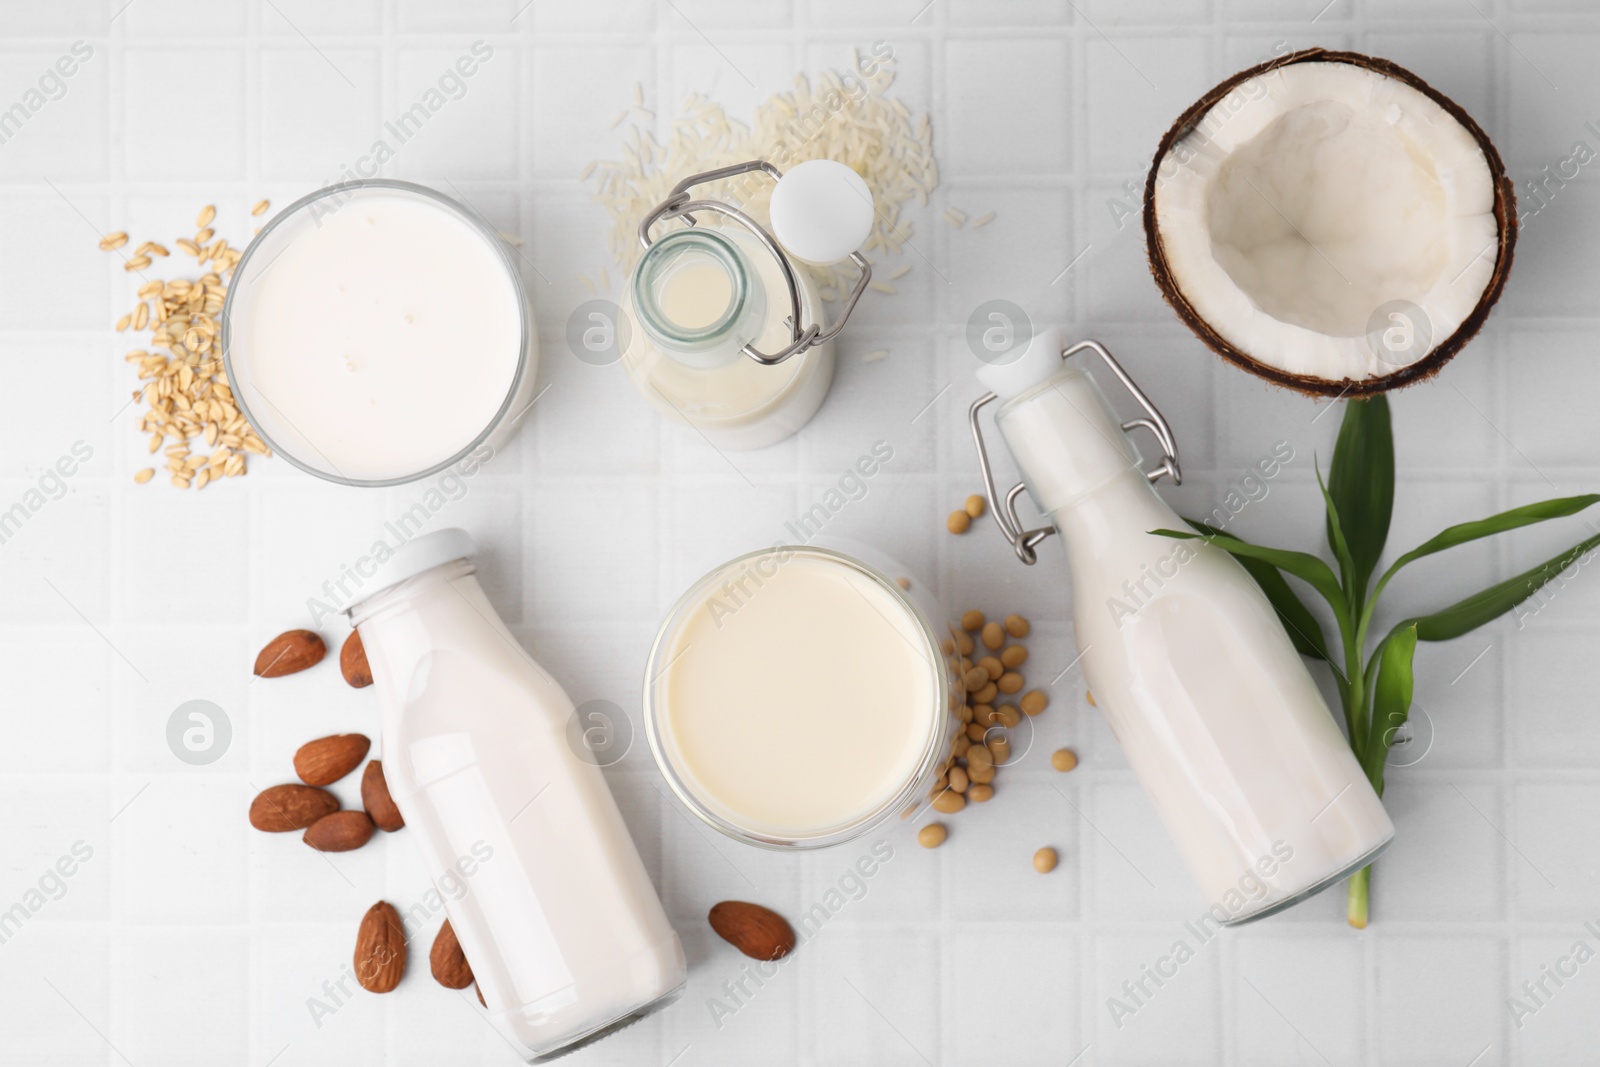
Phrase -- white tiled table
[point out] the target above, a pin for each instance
(187, 938)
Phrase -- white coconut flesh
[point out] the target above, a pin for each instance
(1317, 196)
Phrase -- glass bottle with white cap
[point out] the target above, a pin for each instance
(1184, 654)
(724, 329)
(541, 882)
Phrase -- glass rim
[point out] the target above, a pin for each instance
(651, 315)
(904, 796)
(355, 187)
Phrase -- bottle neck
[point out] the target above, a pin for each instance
(1067, 441)
(698, 297)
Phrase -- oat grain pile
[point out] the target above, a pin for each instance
(188, 402)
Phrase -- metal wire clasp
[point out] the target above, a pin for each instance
(1023, 541)
(679, 205)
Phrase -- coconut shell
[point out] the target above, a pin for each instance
(1505, 213)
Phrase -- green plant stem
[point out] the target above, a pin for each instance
(1360, 895)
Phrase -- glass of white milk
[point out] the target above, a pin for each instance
(377, 332)
(796, 697)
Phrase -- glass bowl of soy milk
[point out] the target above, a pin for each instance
(377, 332)
(797, 697)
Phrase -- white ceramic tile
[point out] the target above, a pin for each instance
(1551, 838)
(1298, 999)
(1155, 997)
(171, 18)
(1137, 87)
(292, 18)
(34, 229)
(449, 121)
(1427, 1020)
(59, 132)
(69, 730)
(976, 959)
(179, 852)
(568, 137)
(157, 968)
(154, 78)
(319, 111)
(874, 1015)
(999, 121)
(1447, 863)
(56, 980)
(57, 859)
(1136, 873)
(1553, 1019)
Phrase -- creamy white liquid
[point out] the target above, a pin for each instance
(554, 909)
(696, 295)
(376, 341)
(798, 697)
(741, 404)
(1188, 662)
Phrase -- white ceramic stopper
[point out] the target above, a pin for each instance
(821, 211)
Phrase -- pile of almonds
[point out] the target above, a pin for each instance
(187, 395)
(984, 745)
(380, 955)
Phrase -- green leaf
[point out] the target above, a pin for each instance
(1361, 485)
(1306, 567)
(1471, 613)
(1391, 697)
(1341, 548)
(1302, 626)
(1461, 533)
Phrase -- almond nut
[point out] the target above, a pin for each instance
(289, 653)
(758, 932)
(290, 807)
(328, 759)
(353, 661)
(447, 961)
(343, 831)
(380, 959)
(376, 799)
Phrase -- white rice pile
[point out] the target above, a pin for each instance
(845, 117)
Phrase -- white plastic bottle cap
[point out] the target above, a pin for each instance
(417, 555)
(821, 211)
(1038, 361)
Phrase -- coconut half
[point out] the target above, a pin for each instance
(1330, 222)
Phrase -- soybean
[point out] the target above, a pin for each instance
(1013, 657)
(972, 620)
(958, 522)
(1033, 702)
(1044, 861)
(1017, 626)
(975, 679)
(932, 835)
(976, 506)
(1010, 682)
(994, 635)
(1063, 759)
(958, 779)
(949, 803)
(980, 793)
(988, 692)
(992, 666)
